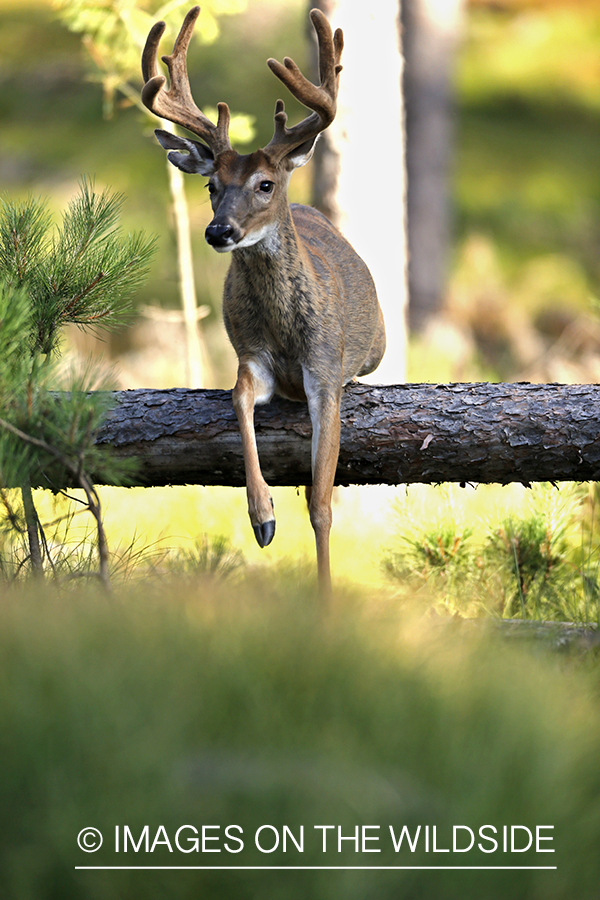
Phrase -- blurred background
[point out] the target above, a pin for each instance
(502, 107)
(511, 264)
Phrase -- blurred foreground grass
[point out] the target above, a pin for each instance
(187, 702)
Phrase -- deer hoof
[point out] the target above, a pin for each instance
(264, 533)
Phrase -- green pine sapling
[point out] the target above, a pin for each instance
(83, 272)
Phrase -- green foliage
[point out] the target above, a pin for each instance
(48, 423)
(438, 555)
(82, 274)
(542, 564)
(431, 551)
(533, 558)
(23, 241)
(212, 555)
(15, 329)
(115, 32)
(527, 168)
(178, 704)
(47, 436)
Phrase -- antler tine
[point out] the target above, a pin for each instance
(177, 104)
(322, 99)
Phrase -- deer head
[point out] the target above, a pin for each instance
(248, 192)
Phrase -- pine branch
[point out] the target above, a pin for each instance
(85, 275)
(81, 295)
(23, 240)
(41, 444)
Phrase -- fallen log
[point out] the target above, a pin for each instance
(391, 434)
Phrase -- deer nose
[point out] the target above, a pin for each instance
(218, 235)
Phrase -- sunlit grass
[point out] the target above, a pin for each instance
(380, 541)
(166, 519)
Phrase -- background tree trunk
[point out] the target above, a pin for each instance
(390, 434)
(359, 180)
(196, 361)
(430, 36)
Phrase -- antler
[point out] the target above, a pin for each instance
(177, 104)
(322, 99)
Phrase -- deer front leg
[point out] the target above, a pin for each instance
(253, 386)
(324, 409)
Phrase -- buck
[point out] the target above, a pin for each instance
(299, 304)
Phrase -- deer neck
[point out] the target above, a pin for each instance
(270, 289)
(276, 266)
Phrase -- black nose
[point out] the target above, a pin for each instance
(218, 235)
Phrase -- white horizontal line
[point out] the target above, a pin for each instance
(313, 868)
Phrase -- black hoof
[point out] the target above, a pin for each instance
(264, 533)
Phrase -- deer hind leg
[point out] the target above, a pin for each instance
(324, 411)
(253, 386)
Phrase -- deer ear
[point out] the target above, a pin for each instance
(302, 154)
(196, 158)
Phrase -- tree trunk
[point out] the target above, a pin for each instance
(390, 434)
(430, 36)
(359, 178)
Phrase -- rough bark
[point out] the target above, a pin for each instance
(390, 434)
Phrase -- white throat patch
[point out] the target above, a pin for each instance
(268, 236)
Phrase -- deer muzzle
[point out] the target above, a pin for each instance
(220, 235)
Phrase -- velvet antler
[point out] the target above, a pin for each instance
(177, 104)
(322, 99)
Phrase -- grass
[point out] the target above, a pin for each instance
(169, 522)
(536, 559)
(191, 703)
(508, 552)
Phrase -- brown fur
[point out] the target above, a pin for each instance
(305, 306)
(299, 304)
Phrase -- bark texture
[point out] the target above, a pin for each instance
(391, 434)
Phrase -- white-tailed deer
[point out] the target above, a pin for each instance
(299, 304)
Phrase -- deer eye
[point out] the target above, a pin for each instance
(211, 187)
(266, 186)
